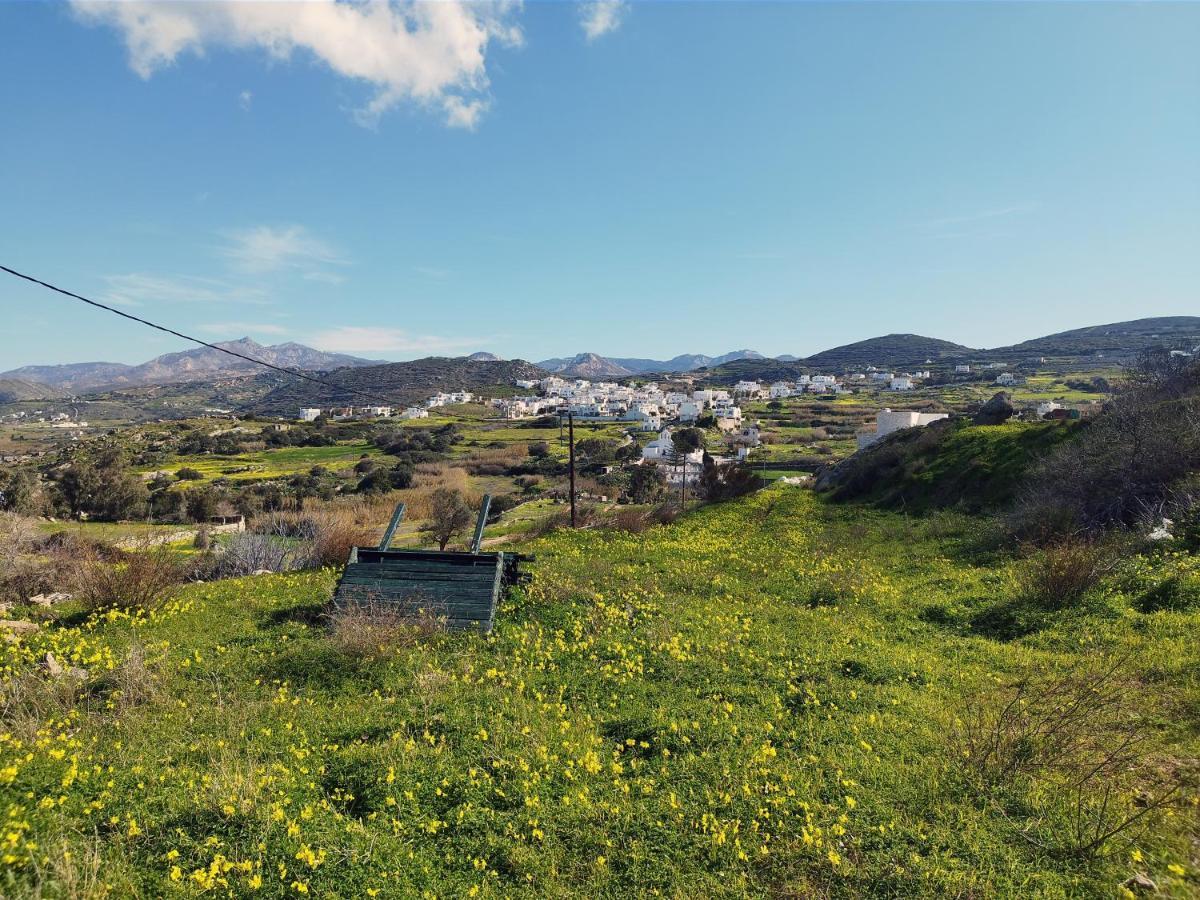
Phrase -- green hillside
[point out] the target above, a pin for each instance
(397, 384)
(950, 463)
(902, 351)
(765, 699)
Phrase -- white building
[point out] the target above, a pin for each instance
(376, 412)
(415, 412)
(748, 388)
(781, 389)
(1046, 407)
(1006, 378)
(888, 421)
(901, 383)
(962, 370)
(309, 414)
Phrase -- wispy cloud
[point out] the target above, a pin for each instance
(974, 218)
(142, 289)
(246, 100)
(362, 339)
(431, 54)
(599, 17)
(264, 249)
(230, 329)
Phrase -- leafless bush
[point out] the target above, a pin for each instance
(1059, 576)
(248, 553)
(634, 520)
(1077, 743)
(30, 699)
(321, 537)
(134, 682)
(144, 579)
(374, 627)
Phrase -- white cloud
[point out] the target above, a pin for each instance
(245, 100)
(142, 289)
(229, 329)
(264, 249)
(599, 17)
(363, 339)
(432, 54)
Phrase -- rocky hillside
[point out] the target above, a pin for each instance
(14, 390)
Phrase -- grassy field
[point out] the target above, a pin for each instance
(756, 701)
(266, 463)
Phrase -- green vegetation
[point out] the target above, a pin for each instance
(771, 697)
(950, 463)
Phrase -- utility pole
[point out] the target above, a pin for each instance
(571, 438)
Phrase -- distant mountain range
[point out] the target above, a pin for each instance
(592, 365)
(408, 382)
(187, 365)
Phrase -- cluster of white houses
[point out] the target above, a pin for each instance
(647, 405)
(312, 413)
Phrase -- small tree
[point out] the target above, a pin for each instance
(646, 484)
(448, 515)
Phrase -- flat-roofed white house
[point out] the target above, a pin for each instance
(781, 389)
(309, 414)
(747, 388)
(962, 369)
(415, 412)
(901, 383)
(1006, 378)
(888, 421)
(690, 410)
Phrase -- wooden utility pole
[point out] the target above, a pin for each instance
(571, 438)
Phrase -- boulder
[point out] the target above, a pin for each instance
(55, 669)
(996, 411)
(15, 628)
(49, 599)
(1140, 883)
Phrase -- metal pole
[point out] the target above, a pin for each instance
(571, 438)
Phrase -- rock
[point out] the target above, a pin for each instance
(262, 572)
(1140, 883)
(16, 627)
(49, 599)
(55, 669)
(996, 411)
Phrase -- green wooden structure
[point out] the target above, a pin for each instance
(458, 588)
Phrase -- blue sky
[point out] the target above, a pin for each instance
(633, 179)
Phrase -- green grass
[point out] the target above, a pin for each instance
(263, 464)
(752, 702)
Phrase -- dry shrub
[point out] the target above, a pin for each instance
(30, 699)
(144, 579)
(74, 867)
(1077, 743)
(493, 461)
(631, 519)
(1061, 575)
(373, 628)
(22, 574)
(136, 681)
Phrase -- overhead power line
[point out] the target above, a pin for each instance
(179, 334)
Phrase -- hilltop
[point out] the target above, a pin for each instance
(186, 365)
(903, 351)
(397, 384)
(1120, 340)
